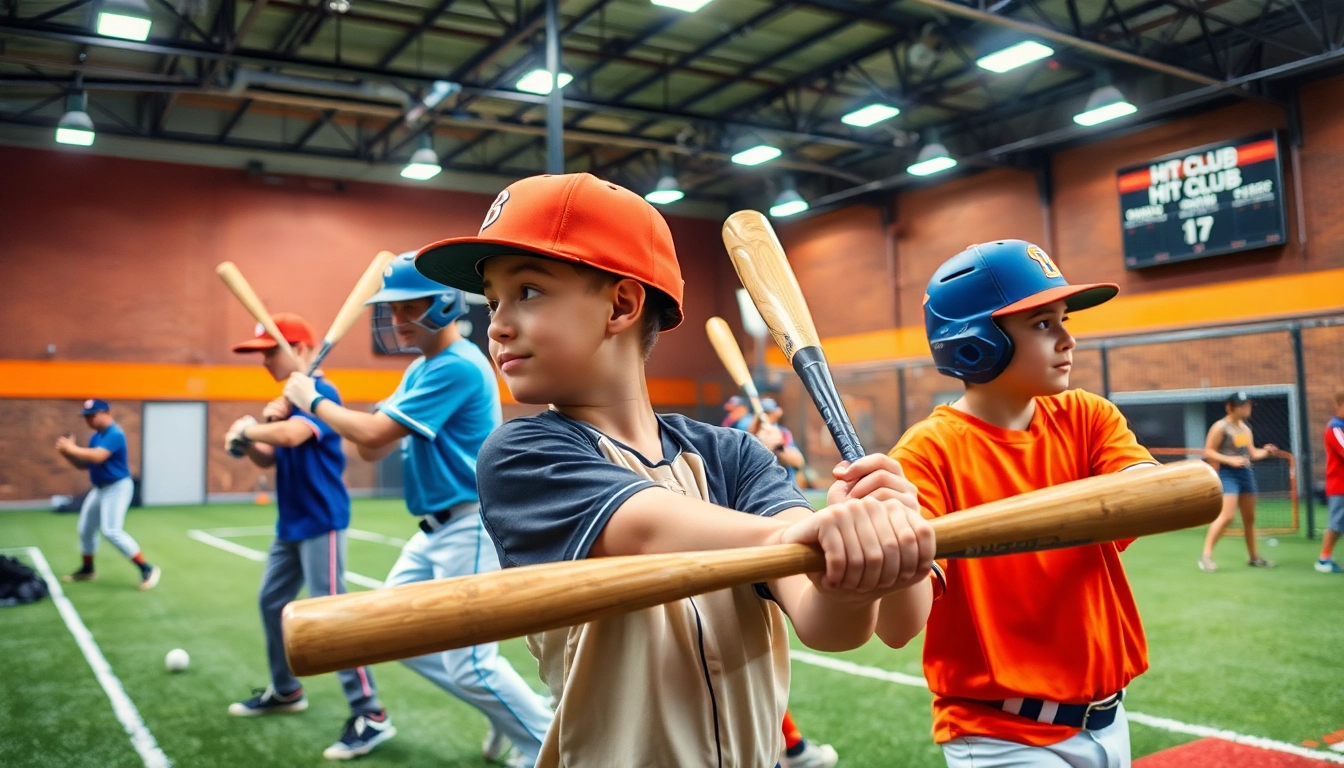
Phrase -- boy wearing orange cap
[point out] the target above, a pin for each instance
(1027, 655)
(309, 546)
(581, 276)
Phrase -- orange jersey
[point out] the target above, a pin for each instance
(1059, 625)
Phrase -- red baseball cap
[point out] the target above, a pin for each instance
(574, 217)
(294, 328)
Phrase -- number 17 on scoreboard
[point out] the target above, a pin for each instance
(1197, 229)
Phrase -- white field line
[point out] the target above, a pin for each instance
(1161, 723)
(267, 530)
(122, 707)
(260, 557)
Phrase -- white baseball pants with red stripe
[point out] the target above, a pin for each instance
(319, 564)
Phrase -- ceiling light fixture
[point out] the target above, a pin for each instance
(1105, 103)
(75, 126)
(538, 81)
(933, 158)
(666, 192)
(870, 115)
(126, 19)
(424, 164)
(1015, 56)
(761, 153)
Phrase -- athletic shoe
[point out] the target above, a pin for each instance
(1326, 565)
(1207, 565)
(362, 733)
(496, 745)
(1261, 562)
(150, 579)
(80, 575)
(267, 701)
(812, 756)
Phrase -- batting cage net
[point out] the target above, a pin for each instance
(1170, 386)
(1276, 490)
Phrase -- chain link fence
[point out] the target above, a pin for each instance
(1171, 387)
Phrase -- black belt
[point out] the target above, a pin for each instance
(436, 520)
(1091, 717)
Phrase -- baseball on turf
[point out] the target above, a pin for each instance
(176, 660)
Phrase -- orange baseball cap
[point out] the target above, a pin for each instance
(294, 328)
(574, 217)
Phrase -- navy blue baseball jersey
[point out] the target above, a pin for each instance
(548, 489)
(309, 488)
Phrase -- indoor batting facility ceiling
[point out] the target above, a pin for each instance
(655, 91)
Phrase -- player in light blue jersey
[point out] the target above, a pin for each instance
(445, 406)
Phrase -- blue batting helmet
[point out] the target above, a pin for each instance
(986, 281)
(403, 282)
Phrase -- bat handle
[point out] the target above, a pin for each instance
(320, 356)
(810, 364)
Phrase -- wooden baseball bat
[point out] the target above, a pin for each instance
(368, 284)
(765, 273)
(343, 631)
(228, 272)
(730, 354)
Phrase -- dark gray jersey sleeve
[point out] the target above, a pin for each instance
(547, 491)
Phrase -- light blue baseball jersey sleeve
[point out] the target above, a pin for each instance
(450, 403)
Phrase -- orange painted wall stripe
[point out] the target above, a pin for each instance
(1220, 304)
(62, 380)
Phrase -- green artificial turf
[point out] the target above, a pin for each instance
(1253, 651)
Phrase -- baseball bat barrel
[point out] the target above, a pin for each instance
(350, 311)
(765, 273)
(242, 290)
(730, 354)
(341, 631)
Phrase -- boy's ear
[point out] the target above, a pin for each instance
(627, 305)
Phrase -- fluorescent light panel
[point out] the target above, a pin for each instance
(1014, 56)
(123, 26)
(788, 208)
(538, 81)
(870, 115)
(931, 166)
(664, 196)
(1105, 112)
(76, 136)
(761, 153)
(420, 171)
(689, 6)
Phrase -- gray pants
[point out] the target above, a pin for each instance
(105, 508)
(319, 564)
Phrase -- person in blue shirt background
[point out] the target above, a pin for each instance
(309, 545)
(440, 414)
(106, 504)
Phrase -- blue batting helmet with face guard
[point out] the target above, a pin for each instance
(982, 283)
(403, 282)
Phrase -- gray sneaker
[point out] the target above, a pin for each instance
(1260, 562)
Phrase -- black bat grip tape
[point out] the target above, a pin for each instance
(810, 364)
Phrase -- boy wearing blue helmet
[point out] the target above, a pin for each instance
(440, 414)
(1027, 655)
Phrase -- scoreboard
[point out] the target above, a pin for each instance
(1206, 201)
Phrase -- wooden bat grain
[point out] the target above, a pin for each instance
(764, 270)
(367, 285)
(754, 249)
(730, 354)
(242, 290)
(342, 631)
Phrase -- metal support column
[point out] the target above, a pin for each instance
(1305, 480)
(1105, 372)
(555, 113)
